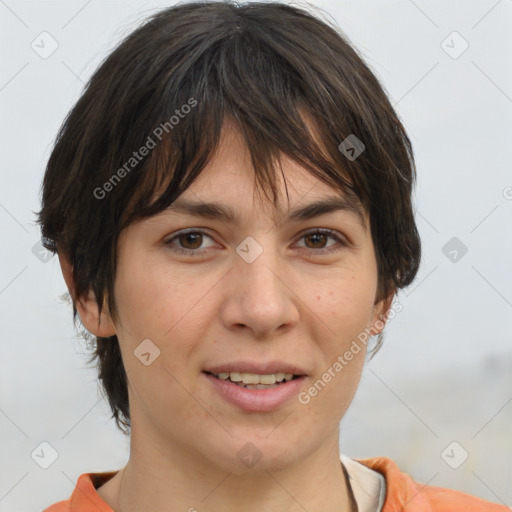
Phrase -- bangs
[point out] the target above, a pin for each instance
(257, 86)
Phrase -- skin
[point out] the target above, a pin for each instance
(215, 307)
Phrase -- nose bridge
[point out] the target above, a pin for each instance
(258, 265)
(259, 298)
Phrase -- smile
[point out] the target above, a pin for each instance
(254, 380)
(248, 391)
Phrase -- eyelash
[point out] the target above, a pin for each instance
(310, 252)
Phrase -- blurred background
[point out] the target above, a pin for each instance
(437, 398)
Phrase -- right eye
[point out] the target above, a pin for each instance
(191, 237)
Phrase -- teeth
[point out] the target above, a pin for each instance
(253, 378)
(266, 379)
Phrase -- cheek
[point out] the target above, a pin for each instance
(152, 297)
(164, 304)
(155, 305)
(348, 305)
(140, 301)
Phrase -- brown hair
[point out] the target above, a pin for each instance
(168, 87)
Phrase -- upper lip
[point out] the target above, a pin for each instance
(264, 368)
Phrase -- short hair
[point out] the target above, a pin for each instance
(168, 87)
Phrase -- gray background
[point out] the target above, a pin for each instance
(444, 373)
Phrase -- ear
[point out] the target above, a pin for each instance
(98, 324)
(380, 315)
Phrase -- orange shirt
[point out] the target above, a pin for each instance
(402, 494)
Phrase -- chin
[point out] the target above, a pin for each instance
(255, 451)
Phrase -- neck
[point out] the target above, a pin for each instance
(153, 481)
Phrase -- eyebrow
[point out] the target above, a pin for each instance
(218, 211)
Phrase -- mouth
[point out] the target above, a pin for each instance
(261, 390)
(254, 380)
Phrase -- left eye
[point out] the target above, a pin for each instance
(321, 236)
(191, 241)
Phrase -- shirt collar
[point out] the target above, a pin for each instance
(368, 486)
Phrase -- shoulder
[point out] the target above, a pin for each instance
(447, 499)
(403, 493)
(85, 495)
(61, 506)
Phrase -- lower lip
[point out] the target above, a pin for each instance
(256, 400)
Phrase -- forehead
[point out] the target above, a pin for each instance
(227, 186)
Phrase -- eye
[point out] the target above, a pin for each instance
(191, 241)
(319, 237)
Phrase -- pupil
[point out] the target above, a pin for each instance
(187, 236)
(317, 236)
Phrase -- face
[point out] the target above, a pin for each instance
(200, 299)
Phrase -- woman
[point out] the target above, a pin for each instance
(230, 202)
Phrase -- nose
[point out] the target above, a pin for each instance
(259, 295)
